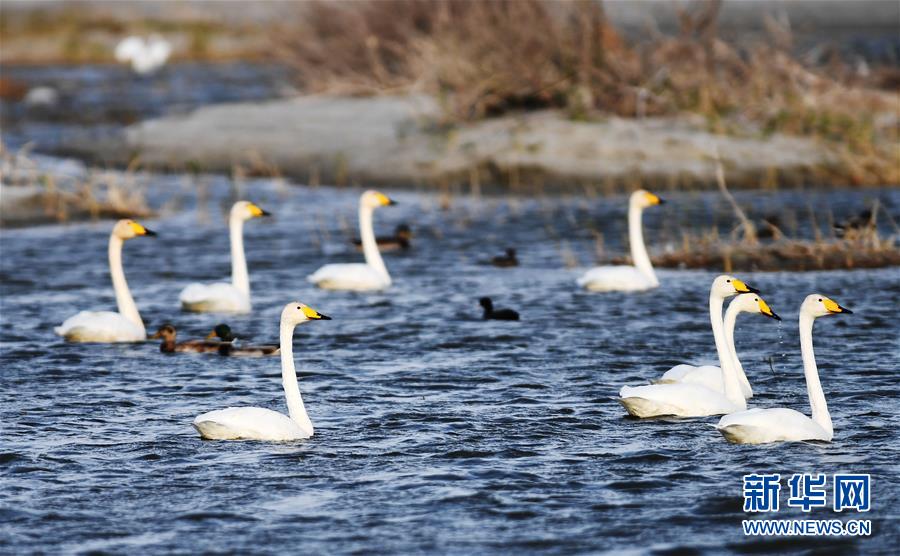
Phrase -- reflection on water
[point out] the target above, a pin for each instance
(434, 430)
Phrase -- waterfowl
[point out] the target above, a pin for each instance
(222, 297)
(229, 346)
(145, 56)
(106, 326)
(257, 423)
(400, 240)
(762, 426)
(168, 335)
(499, 314)
(506, 260)
(627, 278)
(694, 400)
(368, 276)
(708, 375)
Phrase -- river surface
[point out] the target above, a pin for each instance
(436, 431)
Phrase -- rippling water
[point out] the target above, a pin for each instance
(435, 431)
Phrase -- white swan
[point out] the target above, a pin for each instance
(222, 297)
(368, 276)
(694, 400)
(760, 426)
(627, 278)
(106, 326)
(257, 423)
(145, 56)
(709, 375)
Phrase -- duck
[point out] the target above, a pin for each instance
(723, 286)
(780, 424)
(628, 278)
(222, 297)
(257, 423)
(228, 345)
(369, 276)
(508, 259)
(168, 335)
(695, 400)
(400, 240)
(499, 314)
(107, 326)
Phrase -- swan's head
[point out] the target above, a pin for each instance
(374, 199)
(245, 210)
(726, 286)
(166, 332)
(222, 332)
(753, 303)
(129, 229)
(817, 305)
(297, 313)
(643, 199)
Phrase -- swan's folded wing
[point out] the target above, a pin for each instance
(704, 375)
(211, 297)
(349, 276)
(615, 278)
(681, 399)
(770, 425)
(100, 326)
(255, 423)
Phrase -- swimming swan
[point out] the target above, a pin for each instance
(709, 375)
(257, 423)
(760, 426)
(106, 326)
(694, 400)
(627, 278)
(222, 297)
(368, 276)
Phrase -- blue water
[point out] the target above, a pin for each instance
(435, 431)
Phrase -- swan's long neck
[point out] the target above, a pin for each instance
(240, 279)
(370, 246)
(813, 387)
(636, 239)
(289, 380)
(124, 301)
(730, 364)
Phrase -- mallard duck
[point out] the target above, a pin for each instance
(168, 334)
(499, 314)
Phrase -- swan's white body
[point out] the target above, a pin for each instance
(145, 56)
(627, 278)
(257, 423)
(710, 376)
(222, 297)
(695, 400)
(107, 326)
(369, 276)
(761, 426)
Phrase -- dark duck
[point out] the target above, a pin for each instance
(399, 241)
(229, 347)
(496, 314)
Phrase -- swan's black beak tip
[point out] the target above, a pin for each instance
(263, 212)
(753, 290)
(845, 310)
(149, 232)
(774, 316)
(323, 317)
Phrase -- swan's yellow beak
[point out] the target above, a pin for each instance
(832, 307)
(384, 199)
(653, 199)
(742, 287)
(257, 212)
(765, 310)
(312, 314)
(140, 230)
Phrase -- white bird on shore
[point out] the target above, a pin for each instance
(257, 423)
(368, 276)
(222, 297)
(627, 278)
(762, 426)
(145, 56)
(694, 400)
(106, 326)
(708, 375)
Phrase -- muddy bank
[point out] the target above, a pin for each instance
(401, 141)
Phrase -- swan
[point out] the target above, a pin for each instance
(694, 400)
(222, 297)
(257, 423)
(105, 326)
(709, 375)
(368, 276)
(627, 278)
(761, 426)
(145, 56)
